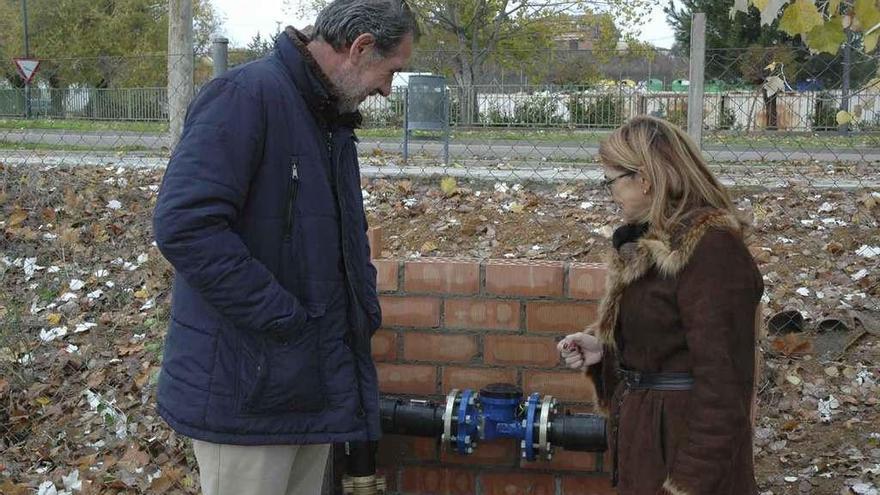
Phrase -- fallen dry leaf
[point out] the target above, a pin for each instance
(16, 218)
(10, 488)
(134, 458)
(792, 344)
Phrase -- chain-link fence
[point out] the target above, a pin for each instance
(781, 104)
(85, 299)
(531, 122)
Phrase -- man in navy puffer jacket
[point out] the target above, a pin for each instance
(267, 357)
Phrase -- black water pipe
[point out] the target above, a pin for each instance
(418, 418)
(578, 432)
(360, 458)
(422, 418)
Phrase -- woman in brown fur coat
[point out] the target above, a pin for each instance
(672, 355)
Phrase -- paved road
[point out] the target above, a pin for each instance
(766, 177)
(534, 152)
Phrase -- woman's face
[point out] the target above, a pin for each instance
(630, 190)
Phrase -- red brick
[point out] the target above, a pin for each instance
(518, 484)
(386, 274)
(587, 485)
(384, 343)
(475, 378)
(396, 448)
(374, 237)
(494, 453)
(520, 351)
(407, 378)
(563, 385)
(410, 311)
(437, 481)
(439, 347)
(482, 314)
(565, 460)
(586, 281)
(524, 278)
(559, 317)
(444, 275)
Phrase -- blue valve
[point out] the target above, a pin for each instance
(498, 411)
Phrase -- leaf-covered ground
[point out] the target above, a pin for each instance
(84, 304)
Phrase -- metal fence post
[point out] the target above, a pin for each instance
(696, 77)
(180, 64)
(27, 54)
(220, 55)
(847, 71)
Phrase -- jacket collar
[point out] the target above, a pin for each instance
(317, 89)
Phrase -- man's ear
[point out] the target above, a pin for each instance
(362, 47)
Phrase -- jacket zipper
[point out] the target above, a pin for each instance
(291, 199)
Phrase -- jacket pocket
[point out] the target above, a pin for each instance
(286, 251)
(283, 373)
(661, 433)
(292, 193)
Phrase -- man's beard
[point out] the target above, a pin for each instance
(351, 93)
(348, 103)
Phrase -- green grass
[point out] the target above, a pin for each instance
(582, 137)
(17, 146)
(84, 125)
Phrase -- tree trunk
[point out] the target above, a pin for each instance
(770, 114)
(465, 76)
(56, 95)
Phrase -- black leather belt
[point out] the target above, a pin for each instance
(638, 380)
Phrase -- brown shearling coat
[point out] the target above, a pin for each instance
(682, 302)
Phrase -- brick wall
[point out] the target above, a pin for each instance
(462, 323)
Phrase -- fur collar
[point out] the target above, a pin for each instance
(672, 489)
(669, 252)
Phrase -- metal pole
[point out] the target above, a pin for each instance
(220, 55)
(696, 76)
(180, 64)
(406, 124)
(847, 69)
(27, 54)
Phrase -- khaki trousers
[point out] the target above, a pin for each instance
(261, 469)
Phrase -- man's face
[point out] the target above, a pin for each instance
(371, 74)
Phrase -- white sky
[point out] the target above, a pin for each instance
(243, 19)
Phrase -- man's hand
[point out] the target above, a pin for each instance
(580, 350)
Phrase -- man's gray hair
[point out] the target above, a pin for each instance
(389, 21)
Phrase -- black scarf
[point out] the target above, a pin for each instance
(630, 232)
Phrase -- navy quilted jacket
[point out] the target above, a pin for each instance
(274, 301)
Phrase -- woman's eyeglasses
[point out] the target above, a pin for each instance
(607, 183)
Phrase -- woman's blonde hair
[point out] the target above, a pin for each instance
(671, 162)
